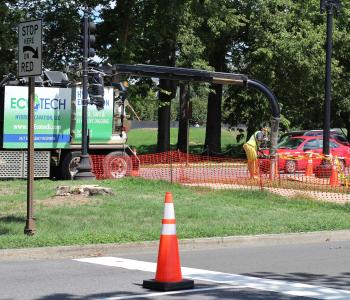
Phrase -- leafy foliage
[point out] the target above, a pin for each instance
(279, 42)
(287, 53)
(8, 43)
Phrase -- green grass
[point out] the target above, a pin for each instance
(134, 213)
(145, 140)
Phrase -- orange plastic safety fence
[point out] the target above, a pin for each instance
(298, 174)
(191, 169)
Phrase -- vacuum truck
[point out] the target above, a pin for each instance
(57, 127)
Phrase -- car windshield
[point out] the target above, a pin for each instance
(291, 143)
(314, 133)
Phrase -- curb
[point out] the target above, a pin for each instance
(70, 252)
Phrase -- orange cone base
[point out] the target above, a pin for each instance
(184, 284)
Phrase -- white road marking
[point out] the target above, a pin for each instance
(277, 286)
(221, 287)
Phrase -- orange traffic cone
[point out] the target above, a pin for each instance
(309, 167)
(334, 180)
(168, 274)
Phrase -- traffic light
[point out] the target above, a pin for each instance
(87, 37)
(96, 89)
(329, 4)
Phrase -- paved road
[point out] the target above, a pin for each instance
(317, 270)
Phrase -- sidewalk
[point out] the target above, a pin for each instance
(70, 252)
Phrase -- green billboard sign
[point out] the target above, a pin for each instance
(52, 117)
(100, 122)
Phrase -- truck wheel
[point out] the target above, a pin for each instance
(117, 164)
(291, 166)
(68, 166)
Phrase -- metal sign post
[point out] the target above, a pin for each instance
(30, 222)
(30, 65)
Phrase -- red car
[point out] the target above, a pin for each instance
(293, 153)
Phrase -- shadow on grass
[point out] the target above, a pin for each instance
(9, 220)
(4, 231)
(12, 219)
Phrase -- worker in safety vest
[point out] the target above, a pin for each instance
(251, 149)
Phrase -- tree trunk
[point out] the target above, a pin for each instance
(183, 133)
(126, 7)
(166, 93)
(213, 128)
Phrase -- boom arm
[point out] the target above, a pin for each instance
(181, 74)
(185, 74)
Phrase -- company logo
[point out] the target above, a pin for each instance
(39, 103)
(36, 103)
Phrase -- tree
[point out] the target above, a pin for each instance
(198, 103)
(189, 55)
(162, 31)
(282, 44)
(150, 38)
(118, 42)
(341, 89)
(143, 95)
(9, 19)
(255, 53)
(61, 28)
(220, 26)
(184, 116)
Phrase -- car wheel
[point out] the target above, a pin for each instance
(291, 166)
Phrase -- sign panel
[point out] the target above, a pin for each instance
(52, 117)
(29, 48)
(100, 122)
